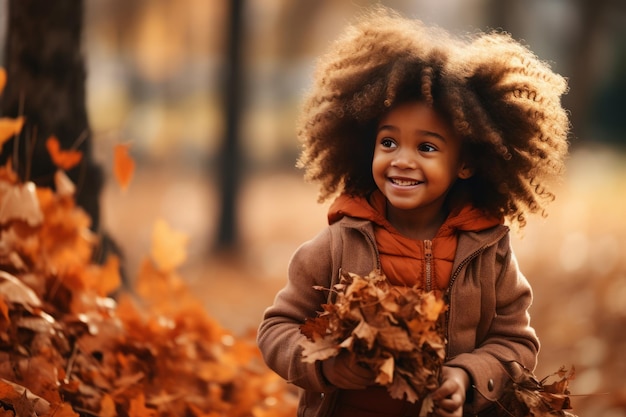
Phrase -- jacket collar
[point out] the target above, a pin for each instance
(469, 242)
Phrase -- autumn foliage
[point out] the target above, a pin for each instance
(69, 348)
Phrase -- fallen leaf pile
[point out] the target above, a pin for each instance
(67, 349)
(393, 331)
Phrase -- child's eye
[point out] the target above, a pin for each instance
(427, 147)
(387, 143)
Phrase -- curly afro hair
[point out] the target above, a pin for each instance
(499, 97)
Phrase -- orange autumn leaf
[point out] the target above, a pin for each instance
(4, 309)
(168, 246)
(138, 407)
(64, 410)
(10, 127)
(3, 78)
(7, 390)
(123, 165)
(63, 159)
(163, 291)
(104, 279)
(107, 406)
(197, 412)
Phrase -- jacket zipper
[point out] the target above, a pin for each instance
(428, 264)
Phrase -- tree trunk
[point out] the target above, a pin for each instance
(230, 155)
(46, 83)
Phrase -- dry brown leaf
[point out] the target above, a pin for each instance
(13, 291)
(319, 348)
(526, 396)
(24, 402)
(19, 202)
(63, 184)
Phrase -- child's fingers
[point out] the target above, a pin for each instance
(450, 407)
(442, 413)
(446, 389)
(450, 404)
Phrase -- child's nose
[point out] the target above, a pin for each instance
(404, 159)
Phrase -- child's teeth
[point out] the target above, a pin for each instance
(405, 182)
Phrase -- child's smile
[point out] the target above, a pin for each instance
(401, 182)
(417, 158)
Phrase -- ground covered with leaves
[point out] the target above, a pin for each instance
(73, 342)
(68, 348)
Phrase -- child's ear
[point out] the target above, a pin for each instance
(465, 171)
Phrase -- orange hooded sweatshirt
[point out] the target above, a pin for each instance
(405, 261)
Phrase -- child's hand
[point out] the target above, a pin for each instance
(450, 396)
(344, 372)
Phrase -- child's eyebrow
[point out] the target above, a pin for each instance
(421, 132)
(387, 127)
(435, 134)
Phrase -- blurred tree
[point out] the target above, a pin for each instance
(230, 155)
(46, 83)
(607, 115)
(593, 104)
(581, 61)
(596, 33)
(503, 14)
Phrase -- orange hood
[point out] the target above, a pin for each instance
(402, 258)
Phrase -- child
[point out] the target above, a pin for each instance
(432, 142)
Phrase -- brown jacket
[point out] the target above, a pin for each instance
(488, 320)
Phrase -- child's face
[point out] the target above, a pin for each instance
(417, 157)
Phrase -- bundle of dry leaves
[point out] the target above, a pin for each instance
(391, 330)
(397, 333)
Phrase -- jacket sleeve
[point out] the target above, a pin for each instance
(507, 335)
(279, 333)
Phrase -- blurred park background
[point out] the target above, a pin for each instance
(206, 93)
